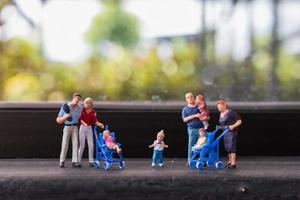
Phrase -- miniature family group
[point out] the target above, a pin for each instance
(195, 114)
(71, 114)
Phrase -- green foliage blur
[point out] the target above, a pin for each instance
(115, 25)
(132, 73)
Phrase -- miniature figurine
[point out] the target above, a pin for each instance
(201, 141)
(190, 115)
(204, 112)
(87, 119)
(110, 142)
(70, 129)
(232, 120)
(158, 146)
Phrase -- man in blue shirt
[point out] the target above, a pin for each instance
(69, 114)
(190, 115)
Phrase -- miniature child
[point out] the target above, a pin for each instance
(87, 119)
(159, 146)
(203, 109)
(110, 142)
(67, 110)
(201, 141)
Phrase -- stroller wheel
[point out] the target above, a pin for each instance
(199, 165)
(192, 164)
(122, 164)
(97, 164)
(210, 163)
(219, 165)
(106, 165)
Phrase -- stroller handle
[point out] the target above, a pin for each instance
(222, 127)
(225, 131)
(95, 129)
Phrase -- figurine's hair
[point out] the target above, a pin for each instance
(106, 131)
(202, 129)
(222, 102)
(88, 99)
(201, 97)
(77, 94)
(161, 133)
(189, 93)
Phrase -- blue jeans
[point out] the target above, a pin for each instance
(193, 137)
(158, 157)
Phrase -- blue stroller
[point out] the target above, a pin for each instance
(209, 153)
(103, 153)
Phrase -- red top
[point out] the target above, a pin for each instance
(89, 118)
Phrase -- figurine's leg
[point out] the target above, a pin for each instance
(82, 136)
(64, 144)
(205, 123)
(193, 137)
(161, 158)
(155, 157)
(74, 144)
(90, 140)
(233, 159)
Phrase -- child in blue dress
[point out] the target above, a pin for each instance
(158, 146)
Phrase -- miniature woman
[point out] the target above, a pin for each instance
(87, 119)
(232, 120)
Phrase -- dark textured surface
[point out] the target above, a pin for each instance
(30, 131)
(261, 177)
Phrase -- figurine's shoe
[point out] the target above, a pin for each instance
(161, 164)
(228, 164)
(231, 167)
(62, 164)
(76, 165)
(153, 165)
(91, 164)
(187, 164)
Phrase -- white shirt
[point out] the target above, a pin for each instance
(159, 145)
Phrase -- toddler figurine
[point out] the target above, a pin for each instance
(201, 141)
(159, 146)
(203, 109)
(110, 142)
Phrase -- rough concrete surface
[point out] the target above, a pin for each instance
(255, 178)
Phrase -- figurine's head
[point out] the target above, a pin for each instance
(76, 98)
(160, 135)
(106, 133)
(88, 103)
(189, 97)
(202, 132)
(222, 105)
(199, 98)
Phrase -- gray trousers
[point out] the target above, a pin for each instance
(86, 133)
(69, 131)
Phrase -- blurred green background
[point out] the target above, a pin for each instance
(123, 64)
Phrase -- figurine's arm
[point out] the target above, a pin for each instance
(166, 146)
(236, 124)
(83, 123)
(62, 119)
(151, 146)
(191, 117)
(99, 124)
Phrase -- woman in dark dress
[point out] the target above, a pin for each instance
(232, 120)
